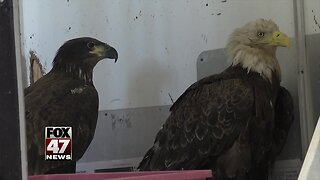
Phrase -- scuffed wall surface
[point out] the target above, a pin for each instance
(312, 16)
(122, 137)
(158, 40)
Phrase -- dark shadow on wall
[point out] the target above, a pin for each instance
(313, 58)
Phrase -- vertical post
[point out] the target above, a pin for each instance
(12, 146)
(307, 123)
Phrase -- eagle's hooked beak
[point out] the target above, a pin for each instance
(278, 38)
(111, 52)
(105, 51)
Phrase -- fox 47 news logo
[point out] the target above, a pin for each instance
(58, 141)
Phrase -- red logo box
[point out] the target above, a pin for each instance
(58, 143)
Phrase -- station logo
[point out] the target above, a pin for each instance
(58, 141)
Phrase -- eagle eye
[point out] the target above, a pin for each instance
(260, 34)
(90, 45)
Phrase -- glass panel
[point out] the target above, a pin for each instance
(163, 47)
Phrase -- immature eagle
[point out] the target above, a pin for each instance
(235, 122)
(65, 96)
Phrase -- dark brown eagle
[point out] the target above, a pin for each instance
(235, 122)
(65, 96)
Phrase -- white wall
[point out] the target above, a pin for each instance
(158, 41)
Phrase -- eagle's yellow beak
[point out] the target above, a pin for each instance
(105, 51)
(278, 39)
(98, 50)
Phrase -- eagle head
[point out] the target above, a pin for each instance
(83, 53)
(253, 46)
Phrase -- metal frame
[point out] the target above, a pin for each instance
(23, 141)
(13, 147)
(305, 98)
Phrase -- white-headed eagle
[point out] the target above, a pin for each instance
(65, 96)
(235, 122)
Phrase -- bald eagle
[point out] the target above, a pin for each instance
(235, 122)
(65, 96)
